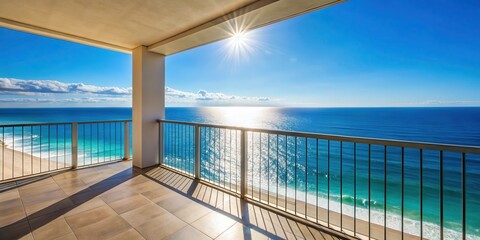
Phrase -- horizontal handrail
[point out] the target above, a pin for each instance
(364, 140)
(61, 123)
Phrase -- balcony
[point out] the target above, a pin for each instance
(191, 180)
(229, 183)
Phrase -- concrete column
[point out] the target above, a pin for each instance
(148, 105)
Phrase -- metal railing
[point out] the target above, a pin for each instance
(369, 188)
(34, 149)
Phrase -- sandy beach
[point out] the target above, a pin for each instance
(15, 164)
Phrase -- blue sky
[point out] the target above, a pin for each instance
(356, 54)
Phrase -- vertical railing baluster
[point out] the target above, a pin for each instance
(403, 190)
(126, 140)
(286, 171)
(13, 152)
(97, 139)
(197, 152)
(441, 195)
(219, 157)
(341, 185)
(295, 175)
(83, 143)
(260, 169)
(306, 176)
(385, 192)
(252, 162)
(277, 160)
(243, 163)
(104, 141)
(421, 193)
(464, 197)
(64, 145)
(184, 148)
(31, 149)
(268, 168)
(91, 141)
(369, 190)
(224, 160)
(56, 140)
(230, 148)
(328, 183)
(48, 135)
(354, 189)
(316, 180)
(3, 153)
(213, 171)
(115, 141)
(74, 145)
(23, 152)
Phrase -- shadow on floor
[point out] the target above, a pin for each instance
(21, 227)
(253, 216)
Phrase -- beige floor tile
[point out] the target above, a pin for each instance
(143, 214)
(161, 226)
(129, 203)
(49, 230)
(43, 197)
(91, 204)
(111, 196)
(188, 233)
(9, 195)
(71, 185)
(240, 231)
(146, 186)
(90, 217)
(192, 212)
(11, 211)
(131, 234)
(213, 224)
(104, 229)
(11, 203)
(175, 202)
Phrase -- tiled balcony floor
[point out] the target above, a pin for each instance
(116, 201)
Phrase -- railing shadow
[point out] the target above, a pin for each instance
(253, 216)
(20, 228)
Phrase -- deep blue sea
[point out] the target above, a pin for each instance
(457, 125)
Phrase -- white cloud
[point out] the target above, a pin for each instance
(31, 87)
(203, 96)
(65, 100)
(449, 103)
(54, 92)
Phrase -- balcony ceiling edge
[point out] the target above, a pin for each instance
(123, 28)
(6, 23)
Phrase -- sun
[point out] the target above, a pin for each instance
(239, 38)
(240, 42)
(239, 46)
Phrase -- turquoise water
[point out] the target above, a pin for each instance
(439, 125)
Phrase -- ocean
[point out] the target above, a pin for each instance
(454, 125)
